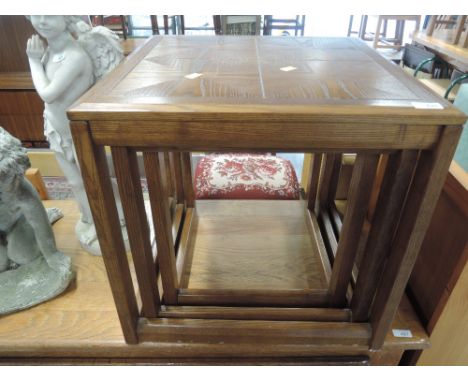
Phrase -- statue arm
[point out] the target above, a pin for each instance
(63, 78)
(36, 216)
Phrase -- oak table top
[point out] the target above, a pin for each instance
(200, 78)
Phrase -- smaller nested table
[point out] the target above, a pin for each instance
(263, 273)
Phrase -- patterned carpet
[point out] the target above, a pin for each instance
(59, 189)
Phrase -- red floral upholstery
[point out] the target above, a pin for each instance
(245, 176)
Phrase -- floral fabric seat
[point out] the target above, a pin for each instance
(245, 176)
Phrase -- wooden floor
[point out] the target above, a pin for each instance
(81, 326)
(249, 244)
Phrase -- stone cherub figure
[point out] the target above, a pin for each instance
(75, 58)
(32, 270)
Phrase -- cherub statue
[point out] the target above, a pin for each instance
(75, 58)
(32, 270)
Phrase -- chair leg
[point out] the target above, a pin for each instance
(350, 25)
(166, 24)
(154, 24)
(377, 33)
(35, 177)
(124, 27)
(363, 27)
(182, 24)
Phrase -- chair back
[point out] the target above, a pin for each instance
(414, 55)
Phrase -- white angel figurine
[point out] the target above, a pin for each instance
(75, 58)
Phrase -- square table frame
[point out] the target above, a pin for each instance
(419, 143)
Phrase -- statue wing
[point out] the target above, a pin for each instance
(102, 45)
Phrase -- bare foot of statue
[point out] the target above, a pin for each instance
(87, 236)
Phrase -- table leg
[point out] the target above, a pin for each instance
(359, 194)
(162, 224)
(95, 172)
(377, 33)
(424, 192)
(128, 179)
(395, 183)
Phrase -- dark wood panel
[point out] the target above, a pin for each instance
(21, 114)
(20, 102)
(14, 34)
(445, 248)
(24, 127)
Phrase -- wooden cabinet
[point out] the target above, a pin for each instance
(439, 283)
(20, 106)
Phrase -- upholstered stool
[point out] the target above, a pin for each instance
(245, 176)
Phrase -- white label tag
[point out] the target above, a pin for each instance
(402, 333)
(193, 76)
(288, 68)
(427, 105)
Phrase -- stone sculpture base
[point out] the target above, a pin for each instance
(31, 284)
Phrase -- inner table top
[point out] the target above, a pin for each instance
(198, 76)
(254, 244)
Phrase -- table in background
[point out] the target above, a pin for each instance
(440, 44)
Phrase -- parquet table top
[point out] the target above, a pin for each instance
(202, 75)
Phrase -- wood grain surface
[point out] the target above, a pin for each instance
(253, 245)
(82, 326)
(196, 77)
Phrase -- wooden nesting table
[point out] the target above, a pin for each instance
(262, 274)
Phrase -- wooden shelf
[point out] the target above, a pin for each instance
(82, 326)
(242, 245)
